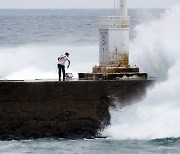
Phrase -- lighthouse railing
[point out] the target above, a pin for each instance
(108, 22)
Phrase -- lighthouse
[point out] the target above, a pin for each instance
(114, 47)
(114, 38)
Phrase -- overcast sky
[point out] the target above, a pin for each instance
(85, 3)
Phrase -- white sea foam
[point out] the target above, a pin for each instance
(40, 62)
(156, 50)
(156, 47)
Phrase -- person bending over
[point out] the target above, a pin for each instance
(61, 64)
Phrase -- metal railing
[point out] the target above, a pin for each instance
(114, 22)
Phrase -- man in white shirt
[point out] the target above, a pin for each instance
(61, 64)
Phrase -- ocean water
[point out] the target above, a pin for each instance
(31, 41)
(102, 146)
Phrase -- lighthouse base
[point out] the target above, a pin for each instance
(113, 76)
(113, 73)
(104, 70)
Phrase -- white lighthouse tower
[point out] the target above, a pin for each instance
(114, 48)
(114, 38)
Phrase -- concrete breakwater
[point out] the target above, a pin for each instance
(72, 109)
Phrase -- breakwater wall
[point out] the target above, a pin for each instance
(72, 109)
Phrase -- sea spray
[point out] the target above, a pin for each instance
(156, 49)
(40, 62)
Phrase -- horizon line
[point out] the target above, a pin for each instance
(79, 8)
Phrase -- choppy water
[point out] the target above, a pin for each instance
(31, 41)
(102, 146)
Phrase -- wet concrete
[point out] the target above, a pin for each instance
(73, 109)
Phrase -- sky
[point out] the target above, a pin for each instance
(84, 3)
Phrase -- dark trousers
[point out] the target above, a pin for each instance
(61, 67)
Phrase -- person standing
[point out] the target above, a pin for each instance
(61, 64)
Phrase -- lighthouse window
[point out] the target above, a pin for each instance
(103, 42)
